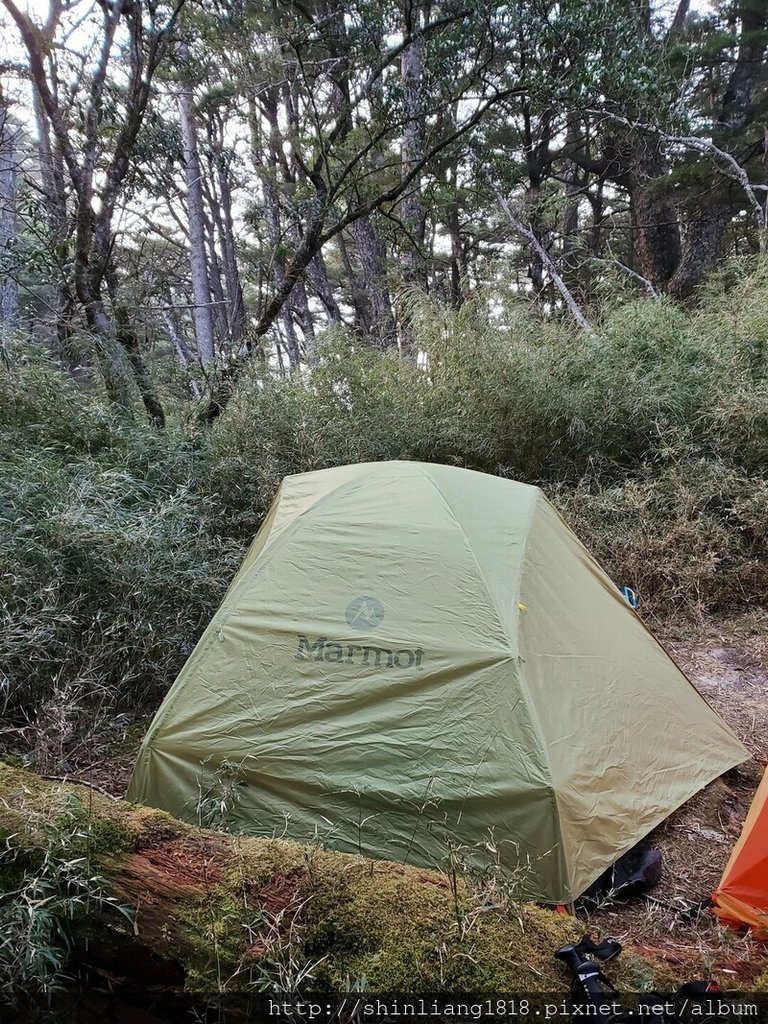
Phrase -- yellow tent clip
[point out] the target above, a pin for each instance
(522, 607)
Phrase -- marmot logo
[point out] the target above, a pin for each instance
(323, 649)
(364, 613)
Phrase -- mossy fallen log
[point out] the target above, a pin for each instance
(150, 903)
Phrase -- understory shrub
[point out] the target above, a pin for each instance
(650, 434)
(690, 539)
(110, 564)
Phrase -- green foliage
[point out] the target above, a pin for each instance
(101, 534)
(274, 915)
(42, 897)
(118, 541)
(690, 538)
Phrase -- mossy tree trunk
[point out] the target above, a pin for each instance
(208, 916)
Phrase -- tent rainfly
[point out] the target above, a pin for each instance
(414, 657)
(742, 896)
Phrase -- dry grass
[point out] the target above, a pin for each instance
(117, 541)
(728, 662)
(729, 665)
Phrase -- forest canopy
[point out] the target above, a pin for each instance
(221, 184)
(241, 240)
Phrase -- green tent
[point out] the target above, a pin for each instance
(414, 658)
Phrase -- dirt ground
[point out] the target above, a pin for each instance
(728, 663)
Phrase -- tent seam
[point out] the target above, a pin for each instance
(524, 691)
(228, 607)
(530, 703)
(499, 617)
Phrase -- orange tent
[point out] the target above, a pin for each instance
(742, 896)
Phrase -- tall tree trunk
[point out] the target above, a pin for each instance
(300, 303)
(535, 260)
(98, 163)
(596, 201)
(412, 72)
(546, 260)
(215, 275)
(9, 155)
(655, 227)
(459, 268)
(378, 321)
(704, 247)
(706, 231)
(291, 341)
(536, 140)
(272, 213)
(572, 189)
(52, 173)
(368, 290)
(111, 356)
(570, 220)
(128, 339)
(198, 259)
(236, 312)
(267, 157)
(53, 176)
(321, 285)
(356, 296)
(171, 321)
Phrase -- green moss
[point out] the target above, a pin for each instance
(152, 827)
(255, 862)
(281, 907)
(13, 760)
(401, 928)
(209, 938)
(95, 834)
(269, 910)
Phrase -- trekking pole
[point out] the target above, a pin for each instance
(588, 979)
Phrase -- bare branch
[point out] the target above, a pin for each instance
(648, 285)
(376, 72)
(727, 163)
(533, 241)
(31, 37)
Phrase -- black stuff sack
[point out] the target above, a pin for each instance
(634, 874)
